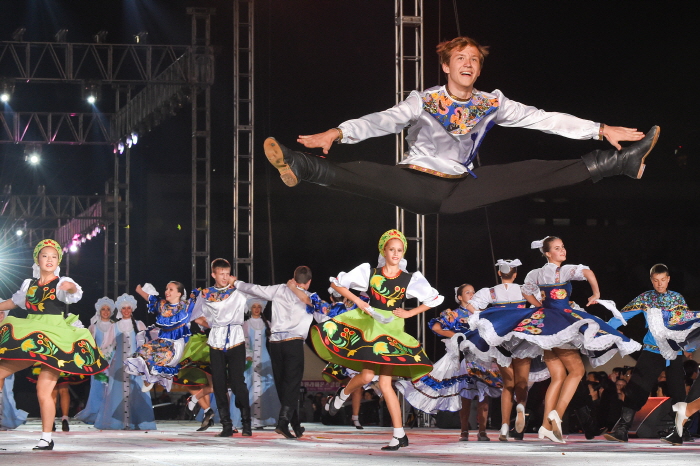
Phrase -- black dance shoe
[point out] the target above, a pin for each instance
(47, 447)
(673, 438)
(403, 442)
(64, 426)
(628, 161)
(227, 432)
(296, 166)
(330, 404)
(207, 421)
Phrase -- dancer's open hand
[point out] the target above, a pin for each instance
(615, 134)
(323, 140)
(402, 313)
(593, 299)
(68, 286)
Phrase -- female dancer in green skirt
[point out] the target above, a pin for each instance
(371, 339)
(46, 335)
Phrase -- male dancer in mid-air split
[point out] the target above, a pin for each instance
(446, 126)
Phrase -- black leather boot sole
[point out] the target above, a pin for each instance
(275, 155)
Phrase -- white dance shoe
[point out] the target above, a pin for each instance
(553, 416)
(503, 434)
(546, 433)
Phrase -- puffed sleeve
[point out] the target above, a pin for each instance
(419, 288)
(140, 326)
(573, 272)
(20, 297)
(357, 278)
(66, 297)
(530, 286)
(481, 298)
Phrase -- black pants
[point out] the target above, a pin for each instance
(227, 367)
(287, 359)
(423, 193)
(644, 376)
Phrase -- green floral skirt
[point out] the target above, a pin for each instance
(355, 340)
(194, 366)
(52, 341)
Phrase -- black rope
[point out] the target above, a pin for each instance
(454, 4)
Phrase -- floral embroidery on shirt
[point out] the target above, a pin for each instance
(458, 118)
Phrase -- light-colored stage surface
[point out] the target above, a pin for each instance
(176, 443)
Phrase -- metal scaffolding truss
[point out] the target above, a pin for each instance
(55, 128)
(150, 83)
(243, 119)
(76, 62)
(409, 76)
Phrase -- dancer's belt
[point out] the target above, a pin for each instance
(168, 329)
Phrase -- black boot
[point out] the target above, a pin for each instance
(628, 161)
(588, 422)
(283, 423)
(673, 438)
(296, 425)
(687, 437)
(246, 431)
(296, 166)
(620, 431)
(226, 423)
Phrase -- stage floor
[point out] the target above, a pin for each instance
(177, 443)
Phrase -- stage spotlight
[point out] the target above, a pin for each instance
(134, 137)
(73, 247)
(7, 88)
(32, 153)
(18, 35)
(100, 37)
(129, 142)
(92, 91)
(120, 147)
(60, 36)
(19, 232)
(141, 37)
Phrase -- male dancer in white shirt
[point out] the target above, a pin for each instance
(446, 126)
(222, 307)
(290, 326)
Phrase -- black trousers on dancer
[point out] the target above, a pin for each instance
(424, 193)
(644, 376)
(287, 358)
(228, 367)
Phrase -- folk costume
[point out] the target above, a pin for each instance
(157, 360)
(47, 335)
(356, 338)
(670, 323)
(444, 134)
(10, 416)
(126, 405)
(224, 309)
(289, 328)
(104, 334)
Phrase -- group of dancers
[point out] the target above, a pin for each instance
(446, 126)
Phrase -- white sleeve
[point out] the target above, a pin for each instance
(140, 326)
(20, 297)
(265, 292)
(390, 121)
(530, 286)
(515, 114)
(197, 310)
(66, 297)
(572, 272)
(481, 298)
(419, 288)
(357, 278)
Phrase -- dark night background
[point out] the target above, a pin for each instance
(320, 62)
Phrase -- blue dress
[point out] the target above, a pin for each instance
(98, 385)
(10, 416)
(125, 406)
(528, 332)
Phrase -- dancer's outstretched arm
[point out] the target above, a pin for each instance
(590, 277)
(615, 134)
(323, 140)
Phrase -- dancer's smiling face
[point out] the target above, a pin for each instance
(126, 312)
(172, 295)
(105, 312)
(393, 251)
(48, 259)
(557, 252)
(256, 310)
(463, 69)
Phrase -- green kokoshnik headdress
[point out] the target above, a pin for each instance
(47, 243)
(392, 234)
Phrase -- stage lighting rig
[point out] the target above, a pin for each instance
(141, 37)
(92, 91)
(61, 35)
(7, 88)
(18, 35)
(100, 37)
(32, 153)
